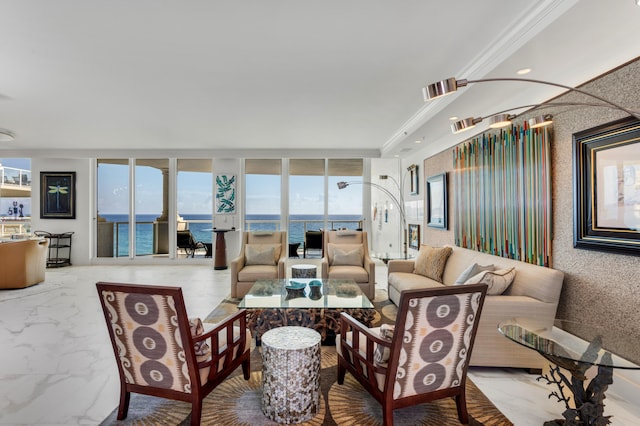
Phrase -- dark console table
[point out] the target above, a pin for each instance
(59, 248)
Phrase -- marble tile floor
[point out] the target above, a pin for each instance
(57, 365)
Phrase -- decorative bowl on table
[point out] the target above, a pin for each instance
(294, 290)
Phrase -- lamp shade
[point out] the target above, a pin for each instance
(440, 88)
(466, 124)
(500, 120)
(540, 121)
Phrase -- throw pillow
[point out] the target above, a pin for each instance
(332, 247)
(471, 271)
(382, 353)
(431, 261)
(351, 257)
(259, 254)
(497, 281)
(201, 348)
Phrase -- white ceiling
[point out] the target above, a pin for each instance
(258, 78)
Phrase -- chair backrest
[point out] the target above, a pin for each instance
(349, 238)
(265, 237)
(149, 330)
(313, 239)
(433, 339)
(185, 239)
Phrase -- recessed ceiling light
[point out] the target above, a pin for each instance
(396, 156)
(453, 118)
(418, 141)
(524, 71)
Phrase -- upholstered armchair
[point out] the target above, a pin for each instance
(262, 257)
(22, 262)
(423, 357)
(160, 352)
(346, 256)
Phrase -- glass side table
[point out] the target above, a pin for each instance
(560, 344)
(387, 256)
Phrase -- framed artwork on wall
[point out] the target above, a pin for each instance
(225, 194)
(413, 169)
(437, 201)
(414, 236)
(606, 208)
(57, 195)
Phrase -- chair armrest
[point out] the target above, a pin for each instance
(324, 267)
(353, 353)
(230, 350)
(400, 265)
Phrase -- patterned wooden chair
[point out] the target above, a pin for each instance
(422, 358)
(160, 352)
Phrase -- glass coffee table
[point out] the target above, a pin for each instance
(306, 302)
(560, 344)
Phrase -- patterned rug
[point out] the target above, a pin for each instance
(237, 402)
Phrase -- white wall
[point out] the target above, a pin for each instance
(81, 225)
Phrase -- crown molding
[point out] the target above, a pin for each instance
(531, 22)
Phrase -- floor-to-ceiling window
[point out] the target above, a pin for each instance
(194, 199)
(140, 192)
(312, 198)
(151, 210)
(15, 196)
(306, 197)
(345, 208)
(112, 208)
(263, 183)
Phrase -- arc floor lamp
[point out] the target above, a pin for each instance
(398, 201)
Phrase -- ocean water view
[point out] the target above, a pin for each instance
(197, 223)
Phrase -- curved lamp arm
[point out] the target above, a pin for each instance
(342, 185)
(450, 85)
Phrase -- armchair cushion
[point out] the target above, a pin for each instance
(258, 272)
(431, 261)
(262, 254)
(347, 254)
(349, 272)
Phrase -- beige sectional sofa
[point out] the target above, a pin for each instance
(534, 292)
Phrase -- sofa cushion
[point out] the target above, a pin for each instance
(498, 281)
(409, 281)
(262, 254)
(431, 261)
(471, 271)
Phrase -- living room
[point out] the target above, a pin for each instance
(599, 287)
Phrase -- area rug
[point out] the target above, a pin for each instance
(237, 402)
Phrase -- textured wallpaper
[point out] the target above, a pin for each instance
(600, 288)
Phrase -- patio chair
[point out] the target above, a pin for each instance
(188, 243)
(422, 358)
(160, 352)
(312, 241)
